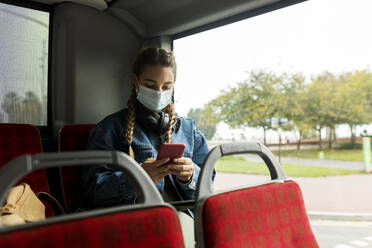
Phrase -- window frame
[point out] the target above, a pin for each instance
(45, 131)
(236, 18)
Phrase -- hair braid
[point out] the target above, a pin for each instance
(172, 117)
(130, 119)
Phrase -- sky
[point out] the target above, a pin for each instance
(309, 37)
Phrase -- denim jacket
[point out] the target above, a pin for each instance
(105, 186)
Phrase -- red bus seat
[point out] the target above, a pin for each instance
(18, 139)
(73, 138)
(151, 227)
(149, 223)
(268, 215)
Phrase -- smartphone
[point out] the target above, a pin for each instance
(169, 150)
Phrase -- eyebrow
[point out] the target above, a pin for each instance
(153, 81)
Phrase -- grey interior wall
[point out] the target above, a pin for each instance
(92, 57)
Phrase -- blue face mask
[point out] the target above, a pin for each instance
(153, 99)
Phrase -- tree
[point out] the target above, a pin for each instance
(32, 109)
(12, 105)
(319, 103)
(328, 100)
(267, 99)
(331, 100)
(353, 99)
(22, 109)
(252, 103)
(292, 107)
(365, 79)
(202, 122)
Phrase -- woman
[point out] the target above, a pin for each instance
(139, 130)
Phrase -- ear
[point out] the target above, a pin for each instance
(134, 78)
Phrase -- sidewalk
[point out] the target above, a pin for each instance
(338, 194)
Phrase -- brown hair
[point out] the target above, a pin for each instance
(150, 56)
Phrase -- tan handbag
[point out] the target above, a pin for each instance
(21, 205)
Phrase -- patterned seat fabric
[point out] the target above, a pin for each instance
(73, 138)
(271, 215)
(18, 139)
(154, 227)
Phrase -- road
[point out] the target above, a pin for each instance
(342, 234)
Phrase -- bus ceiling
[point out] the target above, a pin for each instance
(177, 19)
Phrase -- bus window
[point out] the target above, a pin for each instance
(240, 170)
(298, 79)
(24, 42)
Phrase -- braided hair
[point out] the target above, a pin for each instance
(150, 56)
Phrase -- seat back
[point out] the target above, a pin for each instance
(18, 139)
(156, 226)
(267, 215)
(73, 138)
(150, 223)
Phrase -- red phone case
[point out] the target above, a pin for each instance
(171, 151)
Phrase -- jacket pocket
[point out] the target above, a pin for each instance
(142, 152)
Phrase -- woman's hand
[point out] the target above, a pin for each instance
(156, 169)
(182, 168)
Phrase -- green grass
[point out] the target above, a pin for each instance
(232, 164)
(347, 155)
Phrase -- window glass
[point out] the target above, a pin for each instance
(298, 79)
(24, 36)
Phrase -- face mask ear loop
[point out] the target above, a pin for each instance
(136, 88)
(173, 96)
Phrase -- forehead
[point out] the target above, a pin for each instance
(157, 73)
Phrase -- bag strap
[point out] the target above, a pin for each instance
(57, 207)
